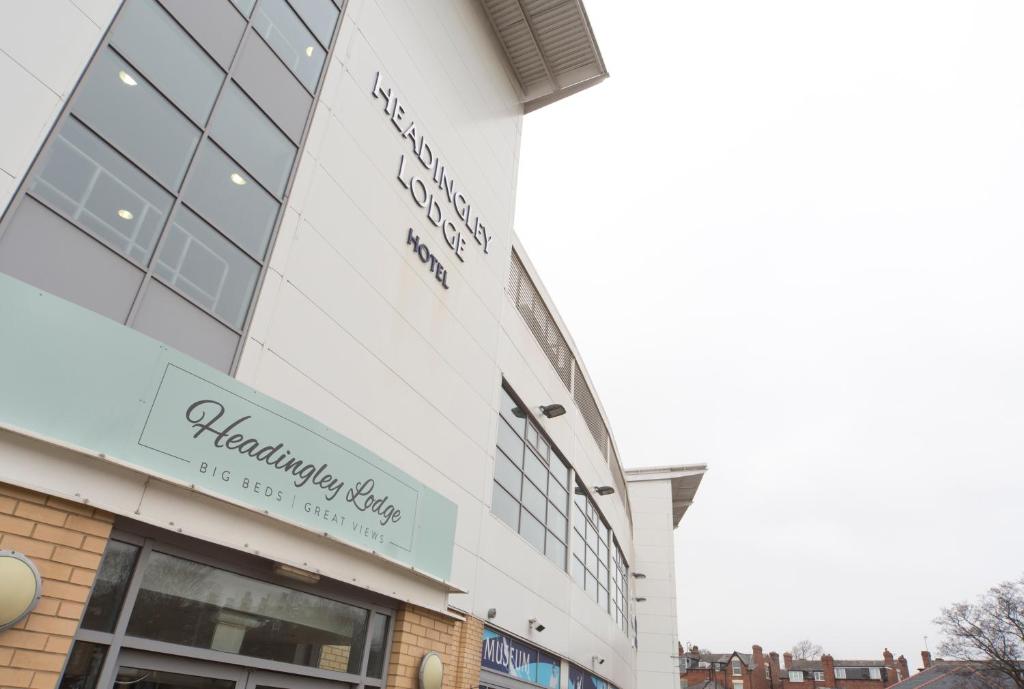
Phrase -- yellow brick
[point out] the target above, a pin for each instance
(58, 644)
(83, 577)
(16, 525)
(94, 544)
(10, 677)
(26, 545)
(51, 625)
(38, 660)
(5, 656)
(58, 535)
(45, 680)
(53, 570)
(47, 606)
(71, 610)
(88, 525)
(65, 591)
(7, 504)
(78, 558)
(17, 638)
(21, 493)
(39, 513)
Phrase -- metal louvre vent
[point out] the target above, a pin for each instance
(537, 316)
(591, 414)
(531, 307)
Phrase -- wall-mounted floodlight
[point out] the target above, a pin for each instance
(552, 410)
(639, 575)
(600, 490)
(640, 599)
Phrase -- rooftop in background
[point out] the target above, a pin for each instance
(550, 46)
(948, 674)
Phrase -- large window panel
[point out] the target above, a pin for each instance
(285, 33)
(172, 61)
(110, 587)
(224, 194)
(251, 138)
(119, 104)
(319, 15)
(93, 186)
(206, 267)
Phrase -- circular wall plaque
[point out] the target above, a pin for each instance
(431, 671)
(19, 587)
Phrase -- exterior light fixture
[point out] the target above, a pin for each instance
(237, 178)
(20, 588)
(604, 490)
(126, 78)
(125, 214)
(639, 575)
(431, 671)
(552, 410)
(640, 599)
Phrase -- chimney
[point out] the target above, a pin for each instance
(926, 659)
(828, 667)
(889, 673)
(904, 668)
(773, 663)
(788, 657)
(757, 676)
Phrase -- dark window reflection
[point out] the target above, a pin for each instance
(378, 645)
(143, 678)
(83, 669)
(110, 587)
(192, 604)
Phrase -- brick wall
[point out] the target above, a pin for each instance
(418, 631)
(65, 540)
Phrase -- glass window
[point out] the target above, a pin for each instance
(506, 473)
(121, 106)
(248, 136)
(319, 15)
(510, 443)
(555, 550)
(378, 645)
(205, 267)
(505, 507)
(559, 498)
(736, 669)
(110, 587)
(291, 40)
(532, 530)
(83, 668)
(94, 187)
(511, 412)
(192, 604)
(796, 676)
(533, 500)
(536, 470)
(557, 523)
(172, 62)
(560, 471)
(145, 678)
(220, 191)
(244, 6)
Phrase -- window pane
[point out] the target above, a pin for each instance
(126, 111)
(510, 443)
(536, 470)
(505, 507)
(559, 498)
(555, 551)
(292, 41)
(221, 192)
(244, 6)
(559, 470)
(83, 668)
(378, 645)
(319, 15)
(93, 186)
(533, 500)
(252, 139)
(205, 267)
(511, 412)
(110, 587)
(154, 43)
(533, 531)
(506, 473)
(144, 678)
(557, 523)
(188, 603)
(531, 434)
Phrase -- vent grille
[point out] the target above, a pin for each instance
(591, 414)
(538, 318)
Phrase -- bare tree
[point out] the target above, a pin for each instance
(806, 650)
(989, 630)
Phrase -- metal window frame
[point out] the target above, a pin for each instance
(148, 274)
(151, 539)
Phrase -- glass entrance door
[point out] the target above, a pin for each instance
(140, 670)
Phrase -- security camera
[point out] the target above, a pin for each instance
(597, 660)
(540, 628)
(535, 625)
(601, 662)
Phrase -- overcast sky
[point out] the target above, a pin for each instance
(787, 239)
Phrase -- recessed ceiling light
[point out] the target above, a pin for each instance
(125, 213)
(237, 179)
(127, 78)
(309, 51)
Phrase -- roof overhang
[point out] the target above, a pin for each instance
(550, 46)
(685, 480)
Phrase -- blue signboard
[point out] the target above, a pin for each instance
(579, 679)
(514, 658)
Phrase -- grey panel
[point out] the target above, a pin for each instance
(169, 58)
(319, 15)
(291, 40)
(272, 86)
(169, 318)
(45, 250)
(215, 24)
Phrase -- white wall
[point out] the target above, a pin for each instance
(44, 48)
(352, 329)
(656, 617)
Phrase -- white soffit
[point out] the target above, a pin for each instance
(550, 45)
(685, 481)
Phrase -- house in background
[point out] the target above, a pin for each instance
(955, 674)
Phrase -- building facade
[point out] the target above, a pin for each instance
(284, 402)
